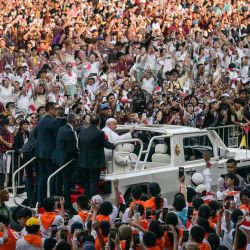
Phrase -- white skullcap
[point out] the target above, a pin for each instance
(110, 120)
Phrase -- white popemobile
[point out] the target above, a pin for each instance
(157, 152)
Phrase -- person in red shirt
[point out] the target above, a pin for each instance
(175, 26)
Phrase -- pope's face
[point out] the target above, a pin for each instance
(112, 126)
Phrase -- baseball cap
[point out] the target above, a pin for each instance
(32, 222)
(104, 106)
(200, 188)
(197, 179)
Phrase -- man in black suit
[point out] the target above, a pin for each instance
(92, 142)
(46, 143)
(66, 149)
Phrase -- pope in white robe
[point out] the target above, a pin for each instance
(113, 137)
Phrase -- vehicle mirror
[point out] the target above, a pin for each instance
(221, 151)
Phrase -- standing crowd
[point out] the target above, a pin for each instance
(70, 68)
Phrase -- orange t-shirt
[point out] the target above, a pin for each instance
(138, 202)
(10, 244)
(160, 243)
(101, 218)
(204, 246)
(215, 219)
(97, 243)
(34, 240)
(83, 215)
(168, 242)
(47, 219)
(150, 203)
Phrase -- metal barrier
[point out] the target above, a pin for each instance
(12, 161)
(12, 168)
(231, 135)
(14, 187)
(129, 141)
(52, 175)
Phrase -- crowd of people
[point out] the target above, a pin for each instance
(68, 68)
(197, 219)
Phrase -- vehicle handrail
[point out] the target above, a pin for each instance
(225, 126)
(54, 173)
(13, 182)
(150, 144)
(129, 141)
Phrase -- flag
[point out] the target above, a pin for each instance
(243, 142)
(246, 130)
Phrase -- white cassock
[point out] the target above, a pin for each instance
(114, 137)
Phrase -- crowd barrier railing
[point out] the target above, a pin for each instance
(53, 174)
(234, 136)
(14, 186)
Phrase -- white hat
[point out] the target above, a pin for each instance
(97, 199)
(225, 95)
(7, 66)
(200, 188)
(24, 65)
(197, 179)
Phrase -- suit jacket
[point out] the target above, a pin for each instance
(46, 137)
(66, 145)
(92, 142)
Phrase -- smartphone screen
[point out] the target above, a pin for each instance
(185, 236)
(112, 233)
(181, 172)
(136, 239)
(164, 214)
(64, 234)
(53, 231)
(148, 213)
(190, 212)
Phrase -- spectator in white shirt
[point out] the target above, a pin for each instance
(69, 80)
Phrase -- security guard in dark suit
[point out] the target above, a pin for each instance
(92, 142)
(66, 149)
(46, 143)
